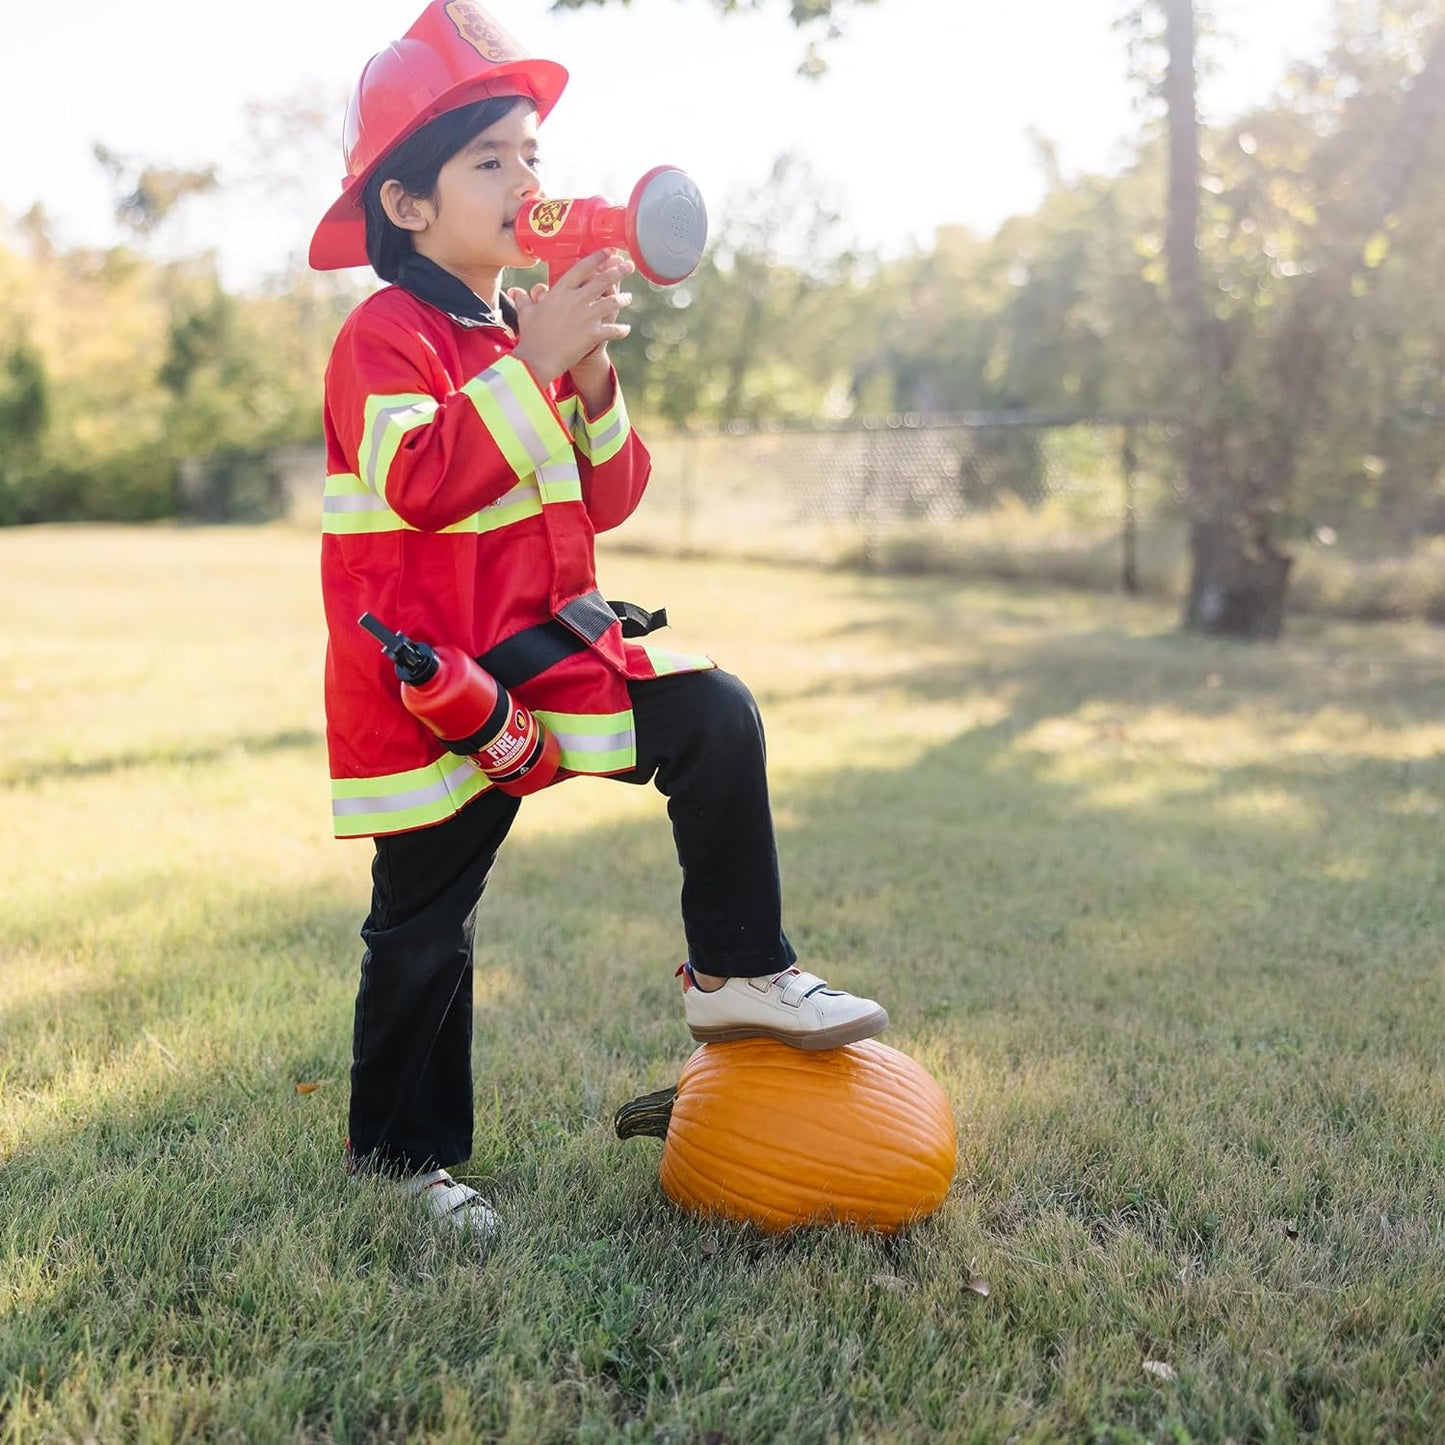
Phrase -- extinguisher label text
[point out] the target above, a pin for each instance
(506, 751)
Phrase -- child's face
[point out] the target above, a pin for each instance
(479, 192)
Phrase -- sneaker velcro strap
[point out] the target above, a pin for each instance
(441, 1194)
(443, 1200)
(799, 987)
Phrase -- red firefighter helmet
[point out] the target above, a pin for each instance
(453, 55)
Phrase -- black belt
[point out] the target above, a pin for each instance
(530, 652)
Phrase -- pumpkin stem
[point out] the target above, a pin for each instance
(648, 1115)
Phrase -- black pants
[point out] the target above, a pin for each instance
(700, 740)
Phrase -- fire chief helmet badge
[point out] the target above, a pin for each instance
(483, 33)
(453, 54)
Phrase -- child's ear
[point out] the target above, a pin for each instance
(411, 213)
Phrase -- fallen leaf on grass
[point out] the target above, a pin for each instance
(1291, 1229)
(1160, 1368)
(309, 1088)
(977, 1283)
(709, 1247)
(887, 1281)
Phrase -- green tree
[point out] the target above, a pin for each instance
(24, 415)
(1266, 281)
(150, 193)
(24, 401)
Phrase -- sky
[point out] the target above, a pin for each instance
(926, 116)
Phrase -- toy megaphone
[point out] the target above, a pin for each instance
(663, 227)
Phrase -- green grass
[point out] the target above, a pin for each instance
(1162, 914)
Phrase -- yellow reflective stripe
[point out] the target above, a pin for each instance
(397, 801)
(387, 421)
(560, 481)
(519, 418)
(593, 742)
(350, 506)
(664, 660)
(350, 514)
(569, 408)
(524, 500)
(351, 524)
(600, 440)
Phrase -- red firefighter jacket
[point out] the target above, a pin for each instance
(462, 498)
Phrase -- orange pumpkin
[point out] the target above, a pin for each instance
(759, 1131)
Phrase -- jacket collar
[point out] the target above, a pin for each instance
(428, 282)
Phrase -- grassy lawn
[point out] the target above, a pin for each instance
(1162, 915)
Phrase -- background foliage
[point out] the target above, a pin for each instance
(115, 365)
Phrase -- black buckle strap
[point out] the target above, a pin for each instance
(638, 621)
(530, 652)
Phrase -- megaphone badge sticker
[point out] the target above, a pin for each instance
(548, 217)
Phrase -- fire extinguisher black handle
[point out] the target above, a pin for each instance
(416, 663)
(383, 634)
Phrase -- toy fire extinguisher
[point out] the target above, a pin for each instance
(471, 712)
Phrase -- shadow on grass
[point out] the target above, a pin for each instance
(1166, 1027)
(31, 773)
(976, 881)
(1113, 650)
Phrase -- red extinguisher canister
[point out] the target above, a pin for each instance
(471, 712)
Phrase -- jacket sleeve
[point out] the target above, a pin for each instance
(435, 458)
(612, 462)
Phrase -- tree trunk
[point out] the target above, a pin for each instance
(1237, 586)
(1237, 577)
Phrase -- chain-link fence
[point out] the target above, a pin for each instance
(1084, 499)
(239, 485)
(1090, 501)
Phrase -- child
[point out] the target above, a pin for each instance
(476, 441)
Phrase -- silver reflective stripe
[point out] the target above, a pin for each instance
(399, 802)
(359, 502)
(381, 424)
(517, 418)
(560, 480)
(596, 742)
(596, 443)
(523, 491)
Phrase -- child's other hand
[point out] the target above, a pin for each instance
(569, 325)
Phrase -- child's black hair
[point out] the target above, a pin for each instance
(416, 162)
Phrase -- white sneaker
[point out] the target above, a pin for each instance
(793, 1007)
(454, 1205)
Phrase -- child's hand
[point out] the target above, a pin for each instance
(568, 326)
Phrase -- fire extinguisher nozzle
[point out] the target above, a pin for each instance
(379, 630)
(416, 663)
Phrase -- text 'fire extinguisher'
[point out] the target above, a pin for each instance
(471, 712)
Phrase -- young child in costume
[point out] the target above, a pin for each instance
(476, 441)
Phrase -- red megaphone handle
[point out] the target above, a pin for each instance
(606, 226)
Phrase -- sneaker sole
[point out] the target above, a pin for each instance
(815, 1042)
